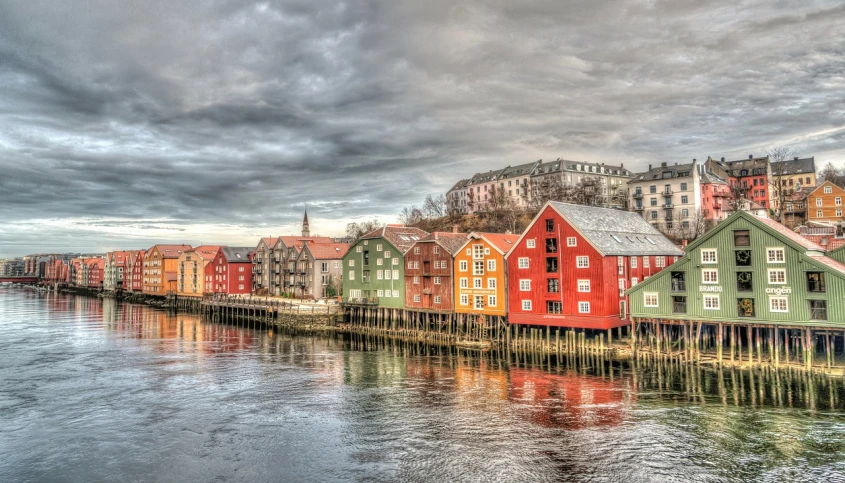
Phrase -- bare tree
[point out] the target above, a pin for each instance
(434, 206)
(411, 216)
(356, 230)
(545, 189)
(778, 177)
(833, 174)
(587, 192)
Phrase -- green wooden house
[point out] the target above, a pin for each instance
(838, 254)
(747, 270)
(374, 267)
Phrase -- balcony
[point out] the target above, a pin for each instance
(667, 191)
(667, 206)
(639, 208)
(638, 195)
(360, 301)
(426, 291)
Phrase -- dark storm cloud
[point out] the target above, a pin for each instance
(138, 120)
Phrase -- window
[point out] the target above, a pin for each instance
(352, 275)
(396, 275)
(819, 200)
(775, 255)
(550, 226)
(583, 285)
(416, 280)
(491, 283)
(778, 304)
(659, 262)
(551, 265)
(711, 302)
(464, 299)
(837, 201)
(462, 266)
(634, 281)
(828, 190)
(464, 282)
(436, 280)
(818, 310)
(583, 307)
(477, 251)
(679, 283)
(645, 262)
(436, 249)
(582, 262)
(351, 263)
(379, 275)
(551, 245)
(634, 262)
(526, 305)
(240, 277)
(491, 300)
(378, 247)
(708, 255)
(476, 282)
(652, 189)
(410, 264)
(745, 307)
(679, 304)
(777, 276)
(524, 285)
(683, 186)
(743, 281)
(554, 307)
(650, 299)
(395, 261)
(416, 250)
(653, 215)
(742, 238)
(478, 267)
(395, 294)
(621, 287)
(416, 298)
(530, 243)
(240, 286)
(240, 269)
(491, 265)
(709, 275)
(819, 214)
(815, 282)
(359, 249)
(571, 241)
(523, 262)
(379, 261)
(387, 254)
(839, 213)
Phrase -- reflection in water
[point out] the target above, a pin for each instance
(96, 390)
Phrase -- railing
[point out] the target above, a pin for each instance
(360, 300)
(667, 191)
(679, 286)
(638, 195)
(426, 291)
(818, 230)
(639, 208)
(818, 313)
(815, 286)
(667, 206)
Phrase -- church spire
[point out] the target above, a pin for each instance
(306, 229)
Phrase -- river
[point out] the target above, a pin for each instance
(94, 390)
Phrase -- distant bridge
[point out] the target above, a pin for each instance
(19, 279)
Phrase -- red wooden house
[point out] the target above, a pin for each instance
(233, 270)
(572, 264)
(428, 271)
(138, 271)
(96, 272)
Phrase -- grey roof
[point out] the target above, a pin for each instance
(749, 164)
(485, 177)
(711, 177)
(656, 174)
(547, 168)
(462, 184)
(521, 170)
(616, 232)
(794, 166)
(237, 254)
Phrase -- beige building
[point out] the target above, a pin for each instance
(667, 195)
(193, 278)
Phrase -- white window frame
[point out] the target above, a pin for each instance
(717, 306)
(773, 271)
(352, 275)
(478, 267)
(438, 299)
(463, 282)
(477, 283)
(436, 280)
(464, 299)
(531, 243)
(785, 301)
(395, 294)
(522, 262)
(705, 258)
(417, 298)
(525, 285)
(651, 299)
(584, 285)
(478, 302)
(660, 262)
(775, 250)
(645, 262)
(583, 307)
(827, 190)
(571, 241)
(526, 305)
(491, 283)
(634, 261)
(582, 261)
(463, 266)
(713, 280)
(491, 300)
(491, 265)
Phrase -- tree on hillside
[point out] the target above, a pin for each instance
(778, 176)
(435, 206)
(833, 174)
(356, 230)
(587, 192)
(548, 188)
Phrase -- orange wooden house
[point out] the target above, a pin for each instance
(825, 203)
(480, 277)
(161, 265)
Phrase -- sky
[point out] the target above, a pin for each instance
(129, 123)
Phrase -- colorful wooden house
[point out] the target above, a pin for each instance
(136, 266)
(233, 270)
(428, 271)
(318, 269)
(380, 252)
(161, 264)
(194, 272)
(480, 274)
(747, 270)
(838, 254)
(96, 272)
(572, 265)
(824, 204)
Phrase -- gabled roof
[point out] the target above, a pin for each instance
(794, 239)
(451, 242)
(171, 251)
(485, 177)
(710, 177)
(462, 184)
(327, 251)
(402, 237)
(296, 241)
(502, 242)
(616, 232)
(237, 254)
(749, 164)
(206, 252)
(794, 166)
(829, 263)
(269, 241)
(520, 170)
(826, 183)
(656, 174)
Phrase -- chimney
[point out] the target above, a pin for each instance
(694, 160)
(663, 164)
(621, 165)
(750, 156)
(796, 158)
(684, 243)
(454, 228)
(723, 159)
(649, 167)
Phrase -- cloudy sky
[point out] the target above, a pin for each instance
(129, 123)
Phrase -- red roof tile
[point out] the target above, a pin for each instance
(809, 245)
(328, 251)
(402, 237)
(172, 251)
(296, 241)
(502, 241)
